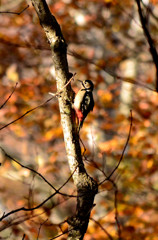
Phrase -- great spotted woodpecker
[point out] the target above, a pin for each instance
(84, 102)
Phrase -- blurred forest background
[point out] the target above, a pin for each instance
(106, 44)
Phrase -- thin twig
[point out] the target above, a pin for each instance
(33, 109)
(30, 169)
(84, 147)
(19, 219)
(116, 212)
(122, 155)
(61, 234)
(40, 175)
(58, 93)
(17, 13)
(149, 9)
(28, 209)
(110, 72)
(115, 186)
(23, 236)
(41, 224)
(57, 191)
(26, 113)
(9, 96)
(104, 230)
(115, 199)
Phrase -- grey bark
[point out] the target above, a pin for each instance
(86, 186)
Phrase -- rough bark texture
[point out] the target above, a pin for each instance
(86, 186)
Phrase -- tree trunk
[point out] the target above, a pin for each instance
(86, 186)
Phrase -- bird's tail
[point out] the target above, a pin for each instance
(80, 119)
(80, 124)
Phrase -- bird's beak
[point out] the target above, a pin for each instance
(82, 83)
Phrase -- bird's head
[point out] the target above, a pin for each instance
(87, 85)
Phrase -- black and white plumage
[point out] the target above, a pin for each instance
(84, 102)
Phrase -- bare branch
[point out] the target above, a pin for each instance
(39, 205)
(122, 155)
(41, 176)
(17, 13)
(57, 191)
(26, 113)
(115, 201)
(61, 234)
(41, 105)
(110, 72)
(30, 169)
(9, 96)
(40, 228)
(23, 236)
(104, 230)
(27, 209)
(116, 212)
(149, 9)
(126, 144)
(150, 41)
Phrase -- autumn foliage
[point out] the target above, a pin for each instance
(106, 44)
